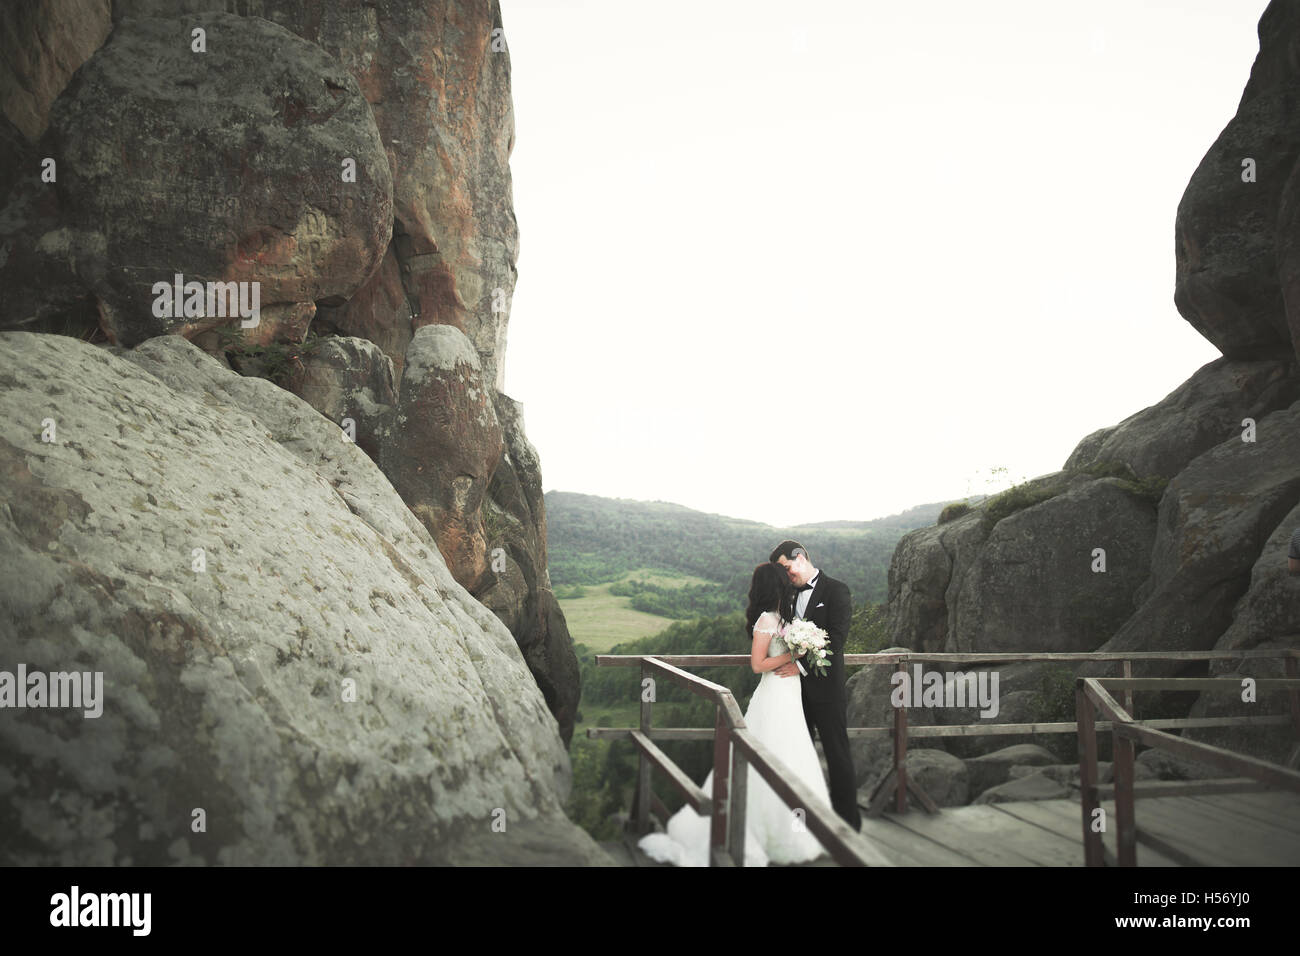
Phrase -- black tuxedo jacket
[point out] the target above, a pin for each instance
(831, 608)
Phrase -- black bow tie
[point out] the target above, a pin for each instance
(804, 587)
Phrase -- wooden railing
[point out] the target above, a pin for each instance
(1091, 696)
(734, 747)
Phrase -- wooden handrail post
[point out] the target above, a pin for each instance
(1087, 733)
(1293, 671)
(739, 794)
(1125, 824)
(1128, 694)
(643, 762)
(900, 750)
(721, 777)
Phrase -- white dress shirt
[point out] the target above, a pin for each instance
(801, 601)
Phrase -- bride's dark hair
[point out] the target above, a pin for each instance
(769, 590)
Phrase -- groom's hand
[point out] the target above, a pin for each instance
(787, 670)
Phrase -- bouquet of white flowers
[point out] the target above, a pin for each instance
(807, 639)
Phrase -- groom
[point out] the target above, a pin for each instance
(824, 601)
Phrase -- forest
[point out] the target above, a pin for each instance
(593, 540)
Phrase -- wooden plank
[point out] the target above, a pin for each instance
(1234, 763)
(1284, 818)
(654, 757)
(1230, 815)
(1165, 840)
(1156, 846)
(917, 791)
(1048, 846)
(737, 810)
(721, 795)
(1086, 747)
(1068, 727)
(1278, 803)
(900, 755)
(656, 733)
(635, 815)
(658, 809)
(1276, 842)
(1029, 813)
(1127, 697)
(1062, 818)
(880, 796)
(992, 657)
(980, 833)
(1254, 845)
(1274, 799)
(641, 799)
(962, 730)
(1186, 788)
(910, 849)
(1198, 837)
(1151, 855)
(1192, 683)
(658, 667)
(1105, 704)
(1292, 667)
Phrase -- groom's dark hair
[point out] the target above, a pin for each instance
(787, 549)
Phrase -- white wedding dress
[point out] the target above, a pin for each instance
(774, 833)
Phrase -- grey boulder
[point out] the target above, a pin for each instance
(285, 656)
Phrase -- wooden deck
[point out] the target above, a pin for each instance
(1235, 829)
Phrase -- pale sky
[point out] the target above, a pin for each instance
(810, 261)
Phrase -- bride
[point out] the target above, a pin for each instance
(775, 716)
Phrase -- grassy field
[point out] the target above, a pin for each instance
(600, 619)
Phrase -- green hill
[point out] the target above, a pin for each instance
(593, 540)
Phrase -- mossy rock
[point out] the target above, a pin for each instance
(1020, 497)
(1149, 487)
(953, 511)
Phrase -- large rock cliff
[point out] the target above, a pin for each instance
(349, 164)
(1192, 500)
(283, 649)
